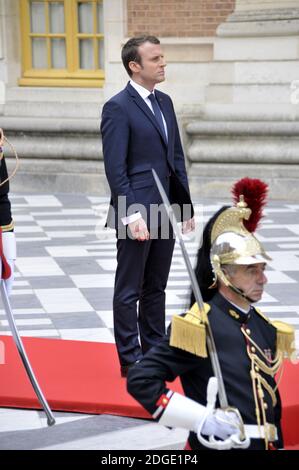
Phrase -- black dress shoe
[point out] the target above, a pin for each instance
(125, 369)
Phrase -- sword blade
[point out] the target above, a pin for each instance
(197, 294)
(23, 355)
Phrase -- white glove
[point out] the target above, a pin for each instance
(219, 424)
(9, 251)
(226, 425)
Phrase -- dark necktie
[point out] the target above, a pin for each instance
(158, 114)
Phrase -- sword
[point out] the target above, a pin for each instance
(197, 294)
(23, 355)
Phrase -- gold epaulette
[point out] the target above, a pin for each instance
(189, 332)
(285, 336)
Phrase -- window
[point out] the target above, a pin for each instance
(62, 43)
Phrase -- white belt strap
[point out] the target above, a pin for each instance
(258, 432)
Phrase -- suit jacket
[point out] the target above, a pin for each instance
(133, 144)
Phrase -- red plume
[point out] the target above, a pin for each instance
(255, 194)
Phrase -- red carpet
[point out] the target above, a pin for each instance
(289, 391)
(76, 376)
(82, 376)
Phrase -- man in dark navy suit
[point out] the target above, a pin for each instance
(140, 132)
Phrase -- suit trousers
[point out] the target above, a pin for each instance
(141, 275)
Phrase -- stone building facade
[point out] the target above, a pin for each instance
(233, 74)
(189, 18)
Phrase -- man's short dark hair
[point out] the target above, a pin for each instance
(130, 50)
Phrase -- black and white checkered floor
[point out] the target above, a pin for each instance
(63, 288)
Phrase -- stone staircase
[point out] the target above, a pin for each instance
(227, 144)
(56, 133)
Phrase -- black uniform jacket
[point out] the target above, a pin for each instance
(146, 380)
(5, 214)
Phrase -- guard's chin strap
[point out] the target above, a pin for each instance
(219, 273)
(241, 293)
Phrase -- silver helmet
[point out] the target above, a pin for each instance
(232, 243)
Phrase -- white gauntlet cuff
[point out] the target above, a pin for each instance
(9, 245)
(182, 412)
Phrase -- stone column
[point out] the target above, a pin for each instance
(253, 5)
(250, 124)
(256, 55)
(115, 22)
(10, 27)
(260, 39)
(262, 17)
